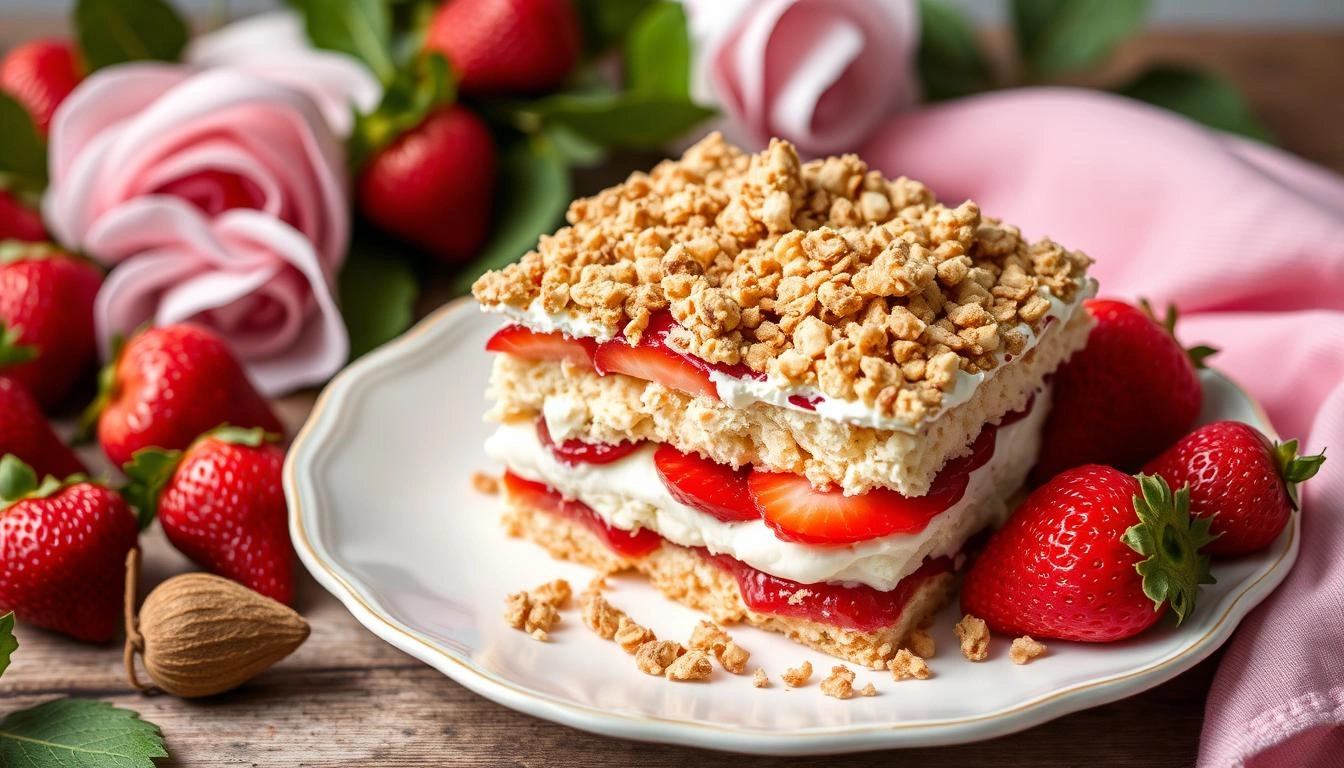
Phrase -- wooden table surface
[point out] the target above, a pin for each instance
(347, 698)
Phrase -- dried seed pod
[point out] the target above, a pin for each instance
(200, 634)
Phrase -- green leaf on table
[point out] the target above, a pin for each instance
(1058, 37)
(78, 732)
(1199, 96)
(537, 191)
(950, 61)
(361, 28)
(575, 149)
(626, 120)
(658, 52)
(606, 22)
(378, 290)
(414, 92)
(8, 643)
(23, 152)
(116, 31)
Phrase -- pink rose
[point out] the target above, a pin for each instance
(820, 73)
(217, 197)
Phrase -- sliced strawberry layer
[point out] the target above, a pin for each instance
(528, 344)
(1015, 416)
(653, 361)
(716, 489)
(541, 496)
(578, 452)
(856, 607)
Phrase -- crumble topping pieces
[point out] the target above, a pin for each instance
(797, 676)
(485, 483)
(711, 638)
(821, 273)
(694, 665)
(759, 678)
(1024, 649)
(630, 635)
(974, 637)
(537, 612)
(599, 615)
(868, 690)
(840, 683)
(655, 656)
(906, 666)
(920, 643)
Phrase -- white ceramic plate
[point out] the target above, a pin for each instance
(383, 513)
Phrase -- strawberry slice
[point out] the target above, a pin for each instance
(652, 361)
(578, 452)
(982, 450)
(543, 497)
(716, 489)
(528, 344)
(798, 512)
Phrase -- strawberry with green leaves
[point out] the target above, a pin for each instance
(507, 45)
(19, 221)
(221, 503)
(1239, 480)
(167, 386)
(46, 310)
(39, 74)
(1094, 555)
(63, 547)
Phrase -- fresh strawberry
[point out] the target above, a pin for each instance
(716, 489)
(39, 74)
(579, 452)
(1128, 395)
(63, 550)
(18, 221)
(24, 432)
(506, 45)
(1094, 555)
(540, 496)
(46, 309)
(1244, 484)
(522, 342)
(168, 386)
(221, 504)
(651, 360)
(433, 185)
(798, 512)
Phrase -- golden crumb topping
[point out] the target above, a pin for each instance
(973, 634)
(840, 683)
(822, 274)
(797, 676)
(908, 666)
(1024, 649)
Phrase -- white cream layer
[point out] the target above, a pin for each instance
(739, 393)
(630, 495)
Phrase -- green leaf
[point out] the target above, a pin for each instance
(11, 351)
(658, 52)
(627, 120)
(148, 471)
(17, 479)
(1059, 37)
(78, 732)
(537, 181)
(1173, 567)
(606, 22)
(378, 291)
(950, 61)
(8, 643)
(361, 28)
(250, 437)
(413, 94)
(23, 152)
(1295, 469)
(116, 31)
(1199, 96)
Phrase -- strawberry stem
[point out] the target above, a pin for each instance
(1295, 469)
(18, 481)
(1173, 567)
(11, 351)
(148, 471)
(1198, 353)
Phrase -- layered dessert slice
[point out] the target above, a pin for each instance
(789, 393)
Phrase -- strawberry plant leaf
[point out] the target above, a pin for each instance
(23, 153)
(251, 437)
(116, 31)
(378, 291)
(147, 472)
(536, 182)
(412, 95)
(17, 479)
(628, 120)
(1059, 37)
(70, 732)
(950, 61)
(658, 52)
(360, 28)
(8, 643)
(1200, 96)
(606, 22)
(1295, 469)
(1171, 541)
(11, 351)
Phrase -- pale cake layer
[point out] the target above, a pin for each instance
(682, 575)
(614, 408)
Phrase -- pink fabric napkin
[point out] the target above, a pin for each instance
(1249, 242)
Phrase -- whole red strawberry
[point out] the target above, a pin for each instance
(1243, 483)
(46, 308)
(1129, 394)
(39, 74)
(18, 221)
(168, 386)
(433, 185)
(63, 552)
(1093, 555)
(24, 432)
(221, 504)
(506, 45)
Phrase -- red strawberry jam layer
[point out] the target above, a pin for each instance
(574, 451)
(858, 607)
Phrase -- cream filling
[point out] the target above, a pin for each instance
(629, 494)
(739, 393)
